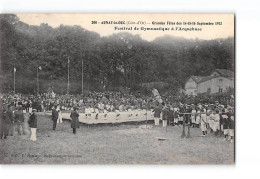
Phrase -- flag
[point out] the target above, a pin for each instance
(40, 68)
(14, 69)
(68, 60)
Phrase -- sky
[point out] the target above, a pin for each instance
(223, 29)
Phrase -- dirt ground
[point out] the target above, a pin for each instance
(114, 144)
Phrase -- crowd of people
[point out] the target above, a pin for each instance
(214, 118)
(45, 102)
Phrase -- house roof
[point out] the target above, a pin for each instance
(197, 79)
(200, 79)
(222, 72)
(225, 73)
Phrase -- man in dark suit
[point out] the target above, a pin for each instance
(10, 115)
(55, 116)
(19, 119)
(74, 120)
(181, 115)
(5, 122)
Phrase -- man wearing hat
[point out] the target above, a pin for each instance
(193, 115)
(10, 115)
(231, 124)
(33, 125)
(5, 121)
(175, 116)
(181, 111)
(19, 119)
(74, 119)
(216, 126)
(55, 116)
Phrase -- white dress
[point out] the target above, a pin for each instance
(198, 117)
(59, 117)
(193, 119)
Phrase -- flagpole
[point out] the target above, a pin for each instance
(38, 80)
(68, 76)
(82, 79)
(14, 78)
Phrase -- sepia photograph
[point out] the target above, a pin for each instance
(117, 89)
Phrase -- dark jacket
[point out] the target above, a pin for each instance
(10, 115)
(32, 121)
(224, 121)
(230, 122)
(75, 119)
(6, 118)
(170, 115)
(19, 116)
(182, 110)
(55, 115)
(165, 114)
(175, 114)
(157, 112)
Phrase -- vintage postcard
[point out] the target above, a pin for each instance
(117, 89)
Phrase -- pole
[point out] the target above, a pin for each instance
(68, 87)
(37, 80)
(183, 129)
(166, 124)
(14, 78)
(82, 80)
(14, 73)
(189, 122)
(146, 118)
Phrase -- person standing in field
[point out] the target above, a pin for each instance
(19, 120)
(181, 115)
(10, 114)
(193, 116)
(74, 119)
(55, 116)
(166, 115)
(5, 122)
(231, 124)
(59, 114)
(157, 114)
(216, 127)
(203, 123)
(33, 125)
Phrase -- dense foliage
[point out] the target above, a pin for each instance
(118, 61)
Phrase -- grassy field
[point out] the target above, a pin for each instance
(114, 144)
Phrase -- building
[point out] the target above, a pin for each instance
(219, 81)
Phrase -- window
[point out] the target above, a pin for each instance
(220, 90)
(220, 80)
